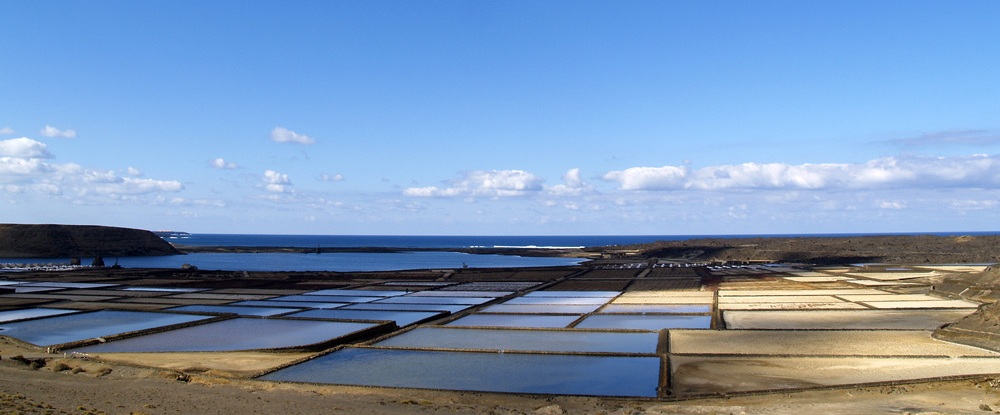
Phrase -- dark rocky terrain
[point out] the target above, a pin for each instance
(917, 249)
(61, 241)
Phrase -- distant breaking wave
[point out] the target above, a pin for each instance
(531, 247)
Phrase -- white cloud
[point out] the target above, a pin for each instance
(23, 168)
(6, 131)
(221, 164)
(15, 169)
(884, 173)
(24, 147)
(284, 135)
(331, 177)
(892, 205)
(276, 182)
(573, 184)
(50, 131)
(649, 178)
(494, 183)
(138, 186)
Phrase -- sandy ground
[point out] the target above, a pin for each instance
(126, 390)
(82, 386)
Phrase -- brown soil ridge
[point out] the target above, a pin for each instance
(61, 241)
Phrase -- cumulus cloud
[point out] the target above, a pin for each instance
(493, 183)
(331, 177)
(573, 184)
(50, 131)
(284, 135)
(883, 173)
(276, 182)
(6, 131)
(24, 168)
(221, 164)
(649, 178)
(24, 147)
(137, 186)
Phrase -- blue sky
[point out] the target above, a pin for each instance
(507, 117)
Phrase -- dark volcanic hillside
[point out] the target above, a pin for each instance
(53, 241)
(913, 249)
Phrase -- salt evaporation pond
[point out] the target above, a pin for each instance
(235, 334)
(558, 300)
(645, 322)
(451, 308)
(283, 304)
(578, 341)
(656, 308)
(401, 318)
(470, 301)
(360, 293)
(554, 293)
(515, 320)
(50, 331)
(234, 309)
(540, 309)
(26, 313)
(484, 372)
(325, 298)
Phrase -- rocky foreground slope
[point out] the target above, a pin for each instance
(61, 241)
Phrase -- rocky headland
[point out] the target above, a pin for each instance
(61, 241)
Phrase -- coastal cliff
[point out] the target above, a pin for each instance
(60, 241)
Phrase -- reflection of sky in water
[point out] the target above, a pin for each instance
(74, 327)
(281, 304)
(645, 322)
(540, 309)
(514, 320)
(12, 315)
(433, 300)
(488, 372)
(602, 294)
(525, 340)
(559, 300)
(401, 318)
(657, 308)
(451, 308)
(234, 334)
(243, 311)
(325, 298)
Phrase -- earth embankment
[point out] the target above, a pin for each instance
(60, 241)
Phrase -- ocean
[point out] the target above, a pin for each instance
(363, 261)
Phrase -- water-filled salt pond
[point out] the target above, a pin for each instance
(645, 322)
(401, 318)
(240, 310)
(656, 308)
(515, 320)
(540, 309)
(50, 331)
(12, 315)
(235, 334)
(486, 372)
(580, 341)
(433, 300)
(451, 308)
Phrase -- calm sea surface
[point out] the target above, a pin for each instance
(353, 261)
